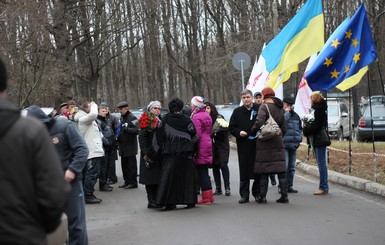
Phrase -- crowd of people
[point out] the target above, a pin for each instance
(176, 151)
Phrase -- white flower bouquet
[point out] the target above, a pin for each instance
(308, 119)
(220, 125)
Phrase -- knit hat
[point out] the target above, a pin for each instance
(63, 104)
(153, 104)
(198, 101)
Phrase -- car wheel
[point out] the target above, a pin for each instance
(340, 135)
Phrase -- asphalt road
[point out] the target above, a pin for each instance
(345, 216)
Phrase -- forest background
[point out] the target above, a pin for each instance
(142, 50)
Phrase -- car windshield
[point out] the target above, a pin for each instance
(332, 110)
(376, 111)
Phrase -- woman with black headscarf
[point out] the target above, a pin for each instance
(176, 143)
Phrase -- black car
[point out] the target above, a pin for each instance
(364, 129)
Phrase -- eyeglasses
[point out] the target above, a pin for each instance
(156, 108)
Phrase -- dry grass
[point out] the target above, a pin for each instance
(362, 165)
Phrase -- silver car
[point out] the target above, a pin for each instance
(338, 120)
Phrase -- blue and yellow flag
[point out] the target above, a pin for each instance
(344, 60)
(302, 37)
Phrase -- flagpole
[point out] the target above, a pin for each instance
(371, 122)
(350, 132)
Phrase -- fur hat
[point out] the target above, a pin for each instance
(153, 104)
(198, 101)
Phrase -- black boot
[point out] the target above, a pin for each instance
(244, 191)
(283, 184)
(151, 193)
(218, 191)
(283, 199)
(263, 185)
(260, 199)
(227, 188)
(218, 188)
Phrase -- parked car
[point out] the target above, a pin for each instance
(338, 119)
(374, 100)
(226, 112)
(364, 128)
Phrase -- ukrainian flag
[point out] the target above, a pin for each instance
(345, 59)
(302, 37)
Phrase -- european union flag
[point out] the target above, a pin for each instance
(348, 54)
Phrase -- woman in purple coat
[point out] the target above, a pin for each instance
(203, 124)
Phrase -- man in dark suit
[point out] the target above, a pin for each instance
(128, 146)
(241, 121)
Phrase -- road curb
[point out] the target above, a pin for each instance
(346, 180)
(339, 178)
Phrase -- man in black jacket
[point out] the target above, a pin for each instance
(33, 191)
(108, 142)
(73, 153)
(241, 122)
(128, 146)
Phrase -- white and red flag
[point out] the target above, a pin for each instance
(302, 102)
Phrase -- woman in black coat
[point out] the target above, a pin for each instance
(319, 144)
(149, 172)
(270, 157)
(221, 150)
(176, 142)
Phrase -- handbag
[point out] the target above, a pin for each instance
(270, 129)
(321, 138)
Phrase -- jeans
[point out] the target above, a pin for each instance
(225, 174)
(92, 174)
(76, 214)
(103, 173)
(204, 178)
(290, 158)
(320, 155)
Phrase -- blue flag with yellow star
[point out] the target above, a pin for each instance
(344, 59)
